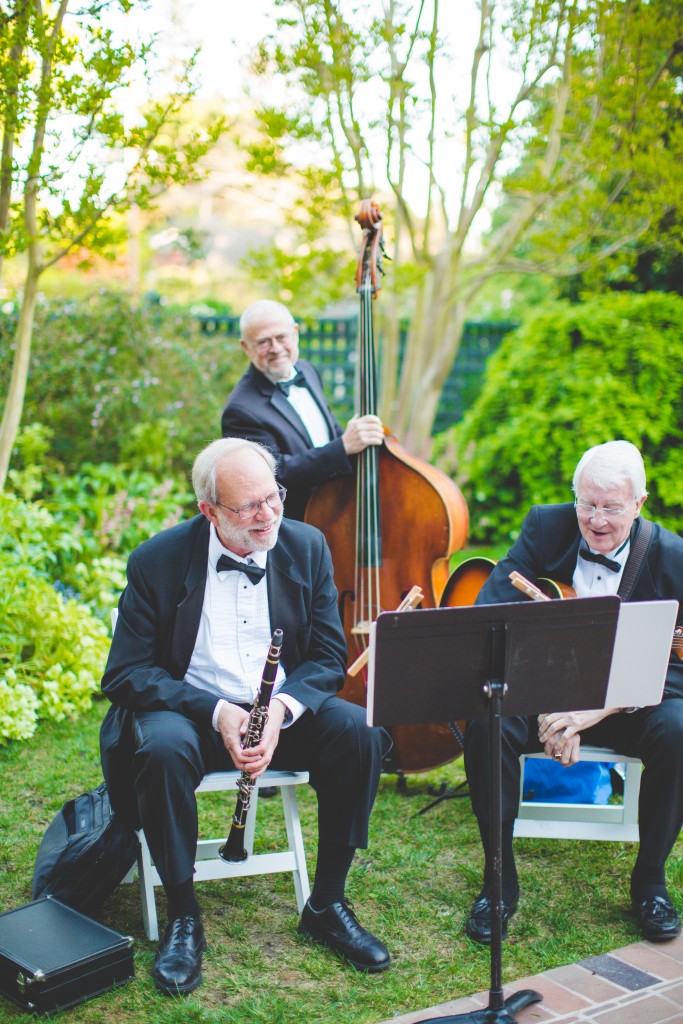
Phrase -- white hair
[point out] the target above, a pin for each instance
(206, 464)
(611, 465)
(262, 308)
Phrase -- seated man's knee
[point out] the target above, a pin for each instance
(350, 733)
(164, 741)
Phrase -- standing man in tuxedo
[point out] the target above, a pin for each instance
(279, 402)
(194, 627)
(591, 544)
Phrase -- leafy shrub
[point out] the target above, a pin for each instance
(573, 376)
(52, 648)
(118, 382)
(62, 567)
(107, 511)
(97, 517)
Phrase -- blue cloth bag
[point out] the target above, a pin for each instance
(587, 782)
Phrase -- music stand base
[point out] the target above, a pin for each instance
(504, 1015)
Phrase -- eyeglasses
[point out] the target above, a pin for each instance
(587, 511)
(265, 343)
(252, 508)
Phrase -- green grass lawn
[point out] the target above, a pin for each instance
(412, 887)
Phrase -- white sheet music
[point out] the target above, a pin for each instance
(641, 653)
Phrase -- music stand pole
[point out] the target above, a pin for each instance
(499, 1010)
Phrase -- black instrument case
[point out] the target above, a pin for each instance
(52, 956)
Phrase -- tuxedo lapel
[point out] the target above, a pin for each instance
(280, 403)
(315, 387)
(562, 568)
(284, 601)
(190, 603)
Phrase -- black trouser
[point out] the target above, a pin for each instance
(655, 735)
(336, 746)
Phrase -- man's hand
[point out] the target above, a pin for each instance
(232, 725)
(362, 431)
(559, 732)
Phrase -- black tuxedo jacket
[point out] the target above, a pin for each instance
(159, 615)
(548, 546)
(259, 411)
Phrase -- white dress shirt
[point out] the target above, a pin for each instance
(308, 410)
(234, 635)
(594, 580)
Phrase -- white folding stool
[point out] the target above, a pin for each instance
(617, 822)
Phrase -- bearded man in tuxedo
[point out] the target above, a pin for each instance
(194, 627)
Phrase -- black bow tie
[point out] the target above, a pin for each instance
(298, 380)
(609, 563)
(250, 569)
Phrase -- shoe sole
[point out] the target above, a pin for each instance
(483, 940)
(178, 990)
(659, 936)
(321, 940)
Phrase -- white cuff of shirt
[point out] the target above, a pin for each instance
(295, 710)
(216, 713)
(294, 707)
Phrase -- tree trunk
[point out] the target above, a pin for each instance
(14, 403)
(433, 342)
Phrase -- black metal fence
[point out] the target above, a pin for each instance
(331, 345)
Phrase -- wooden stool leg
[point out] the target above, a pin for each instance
(295, 841)
(146, 873)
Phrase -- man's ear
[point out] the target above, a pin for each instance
(209, 511)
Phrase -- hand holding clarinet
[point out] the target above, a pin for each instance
(233, 849)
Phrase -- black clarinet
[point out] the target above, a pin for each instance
(233, 848)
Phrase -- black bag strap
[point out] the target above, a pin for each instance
(636, 559)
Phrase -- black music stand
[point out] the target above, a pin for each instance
(535, 657)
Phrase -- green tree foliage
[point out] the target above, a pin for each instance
(118, 382)
(569, 110)
(573, 376)
(71, 157)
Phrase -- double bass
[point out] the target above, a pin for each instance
(391, 526)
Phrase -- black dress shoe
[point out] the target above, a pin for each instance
(478, 924)
(267, 791)
(338, 928)
(178, 963)
(657, 918)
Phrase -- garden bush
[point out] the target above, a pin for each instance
(123, 382)
(98, 516)
(52, 648)
(64, 541)
(573, 376)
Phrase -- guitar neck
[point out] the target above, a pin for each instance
(527, 587)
